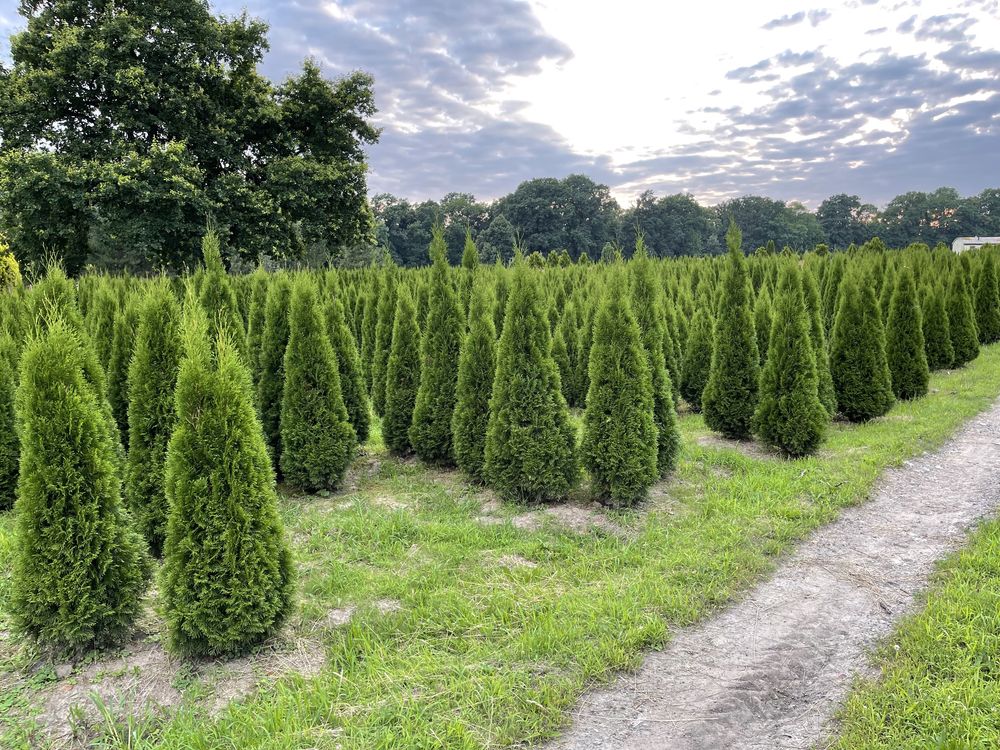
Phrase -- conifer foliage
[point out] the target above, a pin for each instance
(476, 368)
(858, 363)
(152, 379)
(272, 362)
(730, 395)
(9, 449)
(403, 375)
(226, 581)
(430, 434)
(619, 434)
(987, 302)
(905, 340)
(697, 358)
(317, 439)
(937, 335)
(961, 319)
(352, 381)
(79, 568)
(531, 453)
(790, 415)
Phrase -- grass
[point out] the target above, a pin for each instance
(485, 653)
(939, 685)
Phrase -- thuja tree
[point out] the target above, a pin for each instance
(218, 297)
(317, 439)
(647, 295)
(619, 446)
(352, 381)
(790, 415)
(470, 262)
(256, 322)
(80, 570)
(904, 335)
(530, 444)
(858, 363)
(987, 302)
(385, 315)
(817, 334)
(122, 346)
(272, 362)
(101, 319)
(9, 447)
(226, 581)
(961, 319)
(369, 320)
(937, 335)
(476, 368)
(697, 358)
(152, 378)
(403, 375)
(762, 322)
(730, 395)
(430, 433)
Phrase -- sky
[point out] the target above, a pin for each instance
(793, 99)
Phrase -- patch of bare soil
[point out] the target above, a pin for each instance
(770, 671)
(580, 519)
(749, 448)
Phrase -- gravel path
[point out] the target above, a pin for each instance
(770, 671)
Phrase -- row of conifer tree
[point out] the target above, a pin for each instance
(151, 418)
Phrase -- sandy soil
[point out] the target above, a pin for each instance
(770, 671)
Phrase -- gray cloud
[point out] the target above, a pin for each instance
(789, 20)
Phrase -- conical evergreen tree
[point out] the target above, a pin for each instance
(476, 368)
(831, 288)
(79, 569)
(152, 379)
(961, 320)
(857, 353)
(987, 302)
(218, 297)
(647, 295)
(762, 322)
(530, 444)
(226, 582)
(9, 447)
(122, 347)
(817, 334)
(730, 395)
(255, 324)
(470, 262)
(697, 358)
(352, 382)
(272, 362)
(386, 312)
(904, 347)
(403, 375)
(671, 350)
(317, 439)
(368, 323)
(790, 415)
(101, 321)
(430, 433)
(619, 434)
(937, 336)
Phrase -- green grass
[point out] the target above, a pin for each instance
(940, 684)
(484, 655)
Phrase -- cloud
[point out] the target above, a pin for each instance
(789, 20)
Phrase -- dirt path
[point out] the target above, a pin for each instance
(770, 671)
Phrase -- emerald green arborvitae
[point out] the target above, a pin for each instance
(961, 319)
(226, 582)
(9, 449)
(476, 368)
(218, 297)
(647, 295)
(255, 323)
(122, 346)
(80, 570)
(671, 351)
(762, 322)
(430, 433)
(730, 396)
(817, 334)
(619, 446)
(790, 415)
(101, 320)
(369, 320)
(531, 452)
(987, 302)
(904, 339)
(697, 358)
(403, 375)
(470, 262)
(317, 439)
(272, 362)
(386, 312)
(857, 352)
(152, 378)
(937, 335)
(831, 288)
(352, 381)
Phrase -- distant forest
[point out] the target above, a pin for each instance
(580, 216)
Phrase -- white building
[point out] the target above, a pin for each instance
(968, 243)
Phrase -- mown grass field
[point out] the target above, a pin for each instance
(477, 625)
